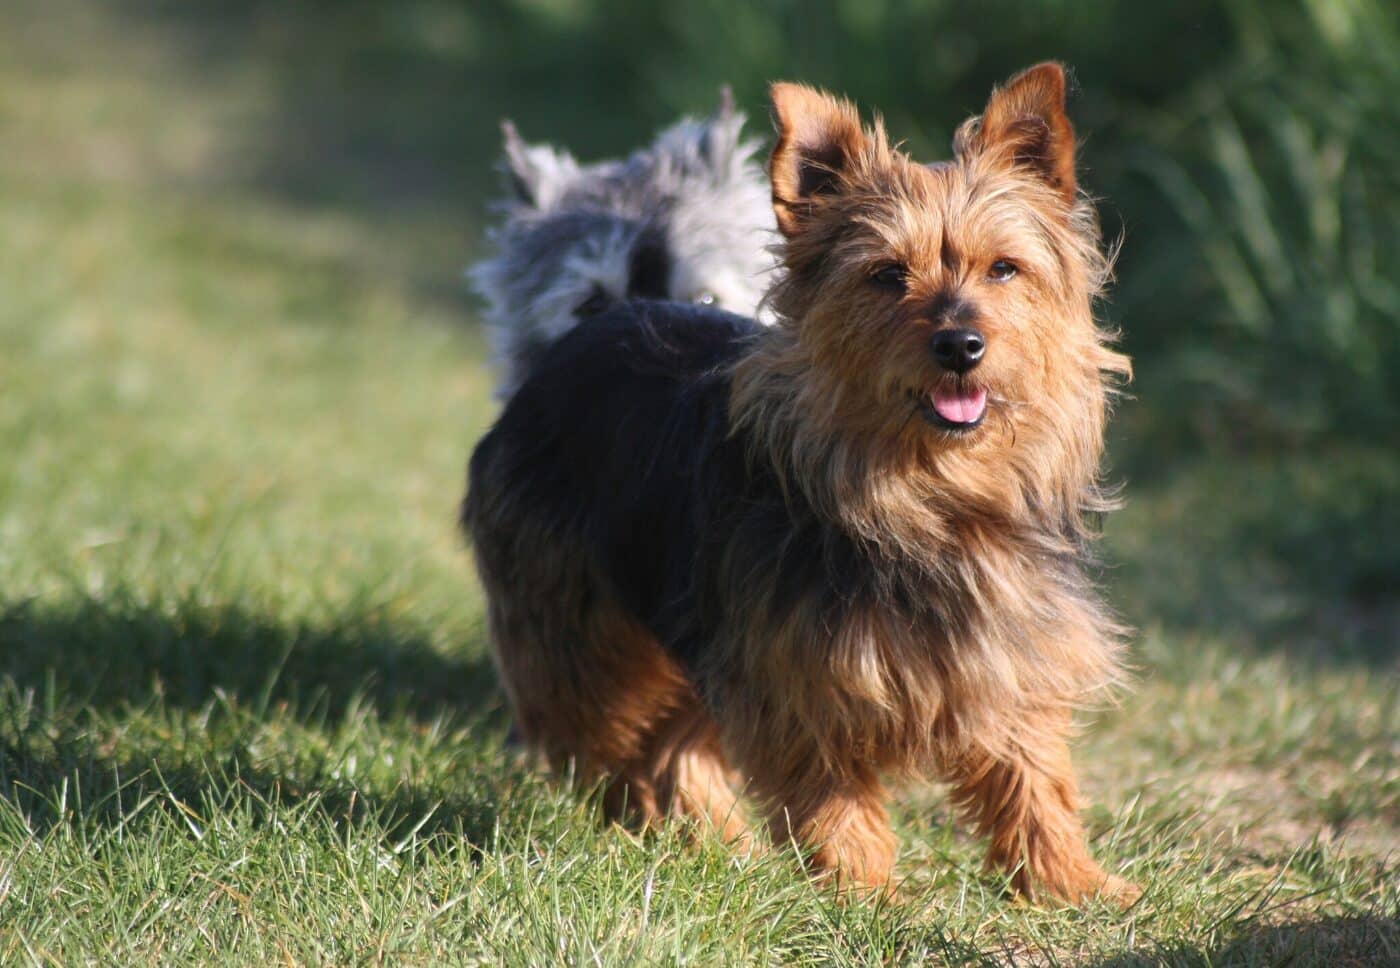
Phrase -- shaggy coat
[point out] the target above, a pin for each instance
(717, 553)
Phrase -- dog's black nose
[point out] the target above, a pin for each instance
(958, 350)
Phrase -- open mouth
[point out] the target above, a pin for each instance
(954, 406)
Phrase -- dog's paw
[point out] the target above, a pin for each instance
(1118, 891)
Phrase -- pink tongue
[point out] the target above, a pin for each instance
(959, 407)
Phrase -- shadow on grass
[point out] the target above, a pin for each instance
(124, 667)
(1324, 941)
(53, 785)
(101, 653)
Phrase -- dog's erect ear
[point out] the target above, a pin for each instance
(538, 174)
(1025, 123)
(721, 141)
(725, 110)
(818, 137)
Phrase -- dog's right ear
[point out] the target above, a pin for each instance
(818, 138)
(538, 174)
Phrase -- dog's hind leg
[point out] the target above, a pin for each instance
(654, 740)
(595, 692)
(685, 764)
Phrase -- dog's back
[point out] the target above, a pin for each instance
(605, 438)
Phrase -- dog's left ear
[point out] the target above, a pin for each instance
(538, 174)
(1025, 123)
(725, 109)
(721, 141)
(819, 136)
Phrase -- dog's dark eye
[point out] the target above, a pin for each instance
(1001, 270)
(893, 277)
(596, 302)
(706, 299)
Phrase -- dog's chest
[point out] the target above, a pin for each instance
(794, 564)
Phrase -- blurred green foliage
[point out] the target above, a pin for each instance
(1248, 150)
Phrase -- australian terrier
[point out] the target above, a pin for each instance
(797, 560)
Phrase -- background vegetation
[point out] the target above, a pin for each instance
(244, 706)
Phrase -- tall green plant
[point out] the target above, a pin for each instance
(1282, 322)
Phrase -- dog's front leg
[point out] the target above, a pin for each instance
(838, 822)
(1024, 798)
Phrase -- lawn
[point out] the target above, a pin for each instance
(246, 713)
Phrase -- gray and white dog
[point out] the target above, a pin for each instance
(687, 218)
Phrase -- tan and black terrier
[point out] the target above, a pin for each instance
(799, 559)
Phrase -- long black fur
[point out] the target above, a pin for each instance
(615, 439)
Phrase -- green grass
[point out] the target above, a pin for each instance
(246, 713)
